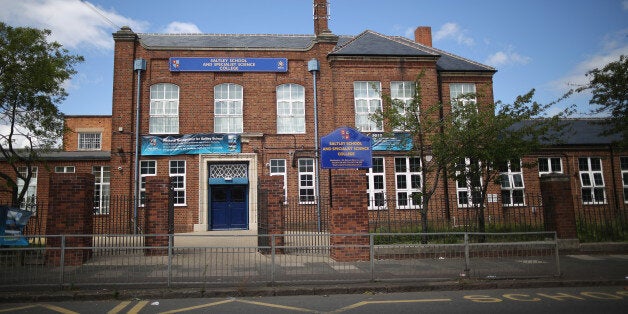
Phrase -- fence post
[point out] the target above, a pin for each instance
(349, 216)
(272, 259)
(557, 255)
(372, 253)
(467, 260)
(62, 261)
(170, 248)
(157, 216)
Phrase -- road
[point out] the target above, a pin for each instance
(571, 300)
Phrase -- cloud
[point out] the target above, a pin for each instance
(624, 5)
(453, 31)
(182, 28)
(73, 23)
(508, 57)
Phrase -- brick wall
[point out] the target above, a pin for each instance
(158, 216)
(559, 207)
(70, 213)
(86, 124)
(271, 211)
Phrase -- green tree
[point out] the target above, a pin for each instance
(477, 142)
(32, 74)
(609, 86)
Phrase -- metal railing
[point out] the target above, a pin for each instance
(204, 260)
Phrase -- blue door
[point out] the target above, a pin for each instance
(228, 207)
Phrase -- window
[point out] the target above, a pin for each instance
(278, 168)
(177, 173)
(591, 180)
(290, 109)
(30, 198)
(147, 168)
(375, 185)
(89, 141)
(408, 181)
(102, 176)
(459, 94)
(64, 169)
(307, 187)
(468, 183)
(404, 92)
(550, 165)
(511, 177)
(367, 102)
(624, 176)
(164, 109)
(228, 108)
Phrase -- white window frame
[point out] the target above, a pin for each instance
(406, 175)
(228, 107)
(89, 141)
(549, 164)
(592, 187)
(367, 100)
(468, 189)
(403, 91)
(307, 180)
(148, 168)
(65, 169)
(512, 183)
(376, 185)
(277, 167)
(30, 198)
(164, 109)
(102, 190)
(177, 171)
(290, 109)
(623, 165)
(456, 90)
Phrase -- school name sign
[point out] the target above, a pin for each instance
(222, 64)
(346, 148)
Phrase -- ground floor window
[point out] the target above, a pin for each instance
(624, 176)
(102, 176)
(307, 186)
(408, 182)
(591, 180)
(30, 197)
(511, 177)
(278, 168)
(147, 168)
(468, 183)
(376, 185)
(177, 174)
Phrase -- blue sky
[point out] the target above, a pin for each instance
(547, 45)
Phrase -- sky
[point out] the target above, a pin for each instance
(546, 45)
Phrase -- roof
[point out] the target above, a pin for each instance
(368, 43)
(75, 156)
(584, 131)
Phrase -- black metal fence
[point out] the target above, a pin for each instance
(604, 220)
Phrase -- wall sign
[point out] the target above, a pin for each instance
(223, 64)
(346, 148)
(190, 144)
(393, 142)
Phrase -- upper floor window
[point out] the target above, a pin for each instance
(511, 177)
(228, 101)
(367, 101)
(462, 93)
(164, 109)
(89, 140)
(403, 92)
(290, 109)
(591, 180)
(376, 184)
(550, 165)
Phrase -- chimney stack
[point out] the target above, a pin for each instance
(321, 15)
(423, 35)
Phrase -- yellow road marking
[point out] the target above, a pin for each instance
(197, 307)
(363, 303)
(119, 307)
(137, 307)
(283, 307)
(58, 309)
(17, 308)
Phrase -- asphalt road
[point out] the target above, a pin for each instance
(573, 300)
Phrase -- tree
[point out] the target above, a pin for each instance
(421, 123)
(477, 143)
(32, 74)
(609, 87)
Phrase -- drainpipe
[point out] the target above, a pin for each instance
(139, 65)
(313, 66)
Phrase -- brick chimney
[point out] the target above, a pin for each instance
(321, 15)
(423, 35)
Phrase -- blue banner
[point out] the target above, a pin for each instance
(346, 148)
(394, 142)
(223, 64)
(190, 144)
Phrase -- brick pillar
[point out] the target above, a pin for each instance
(349, 215)
(157, 215)
(558, 206)
(271, 213)
(70, 210)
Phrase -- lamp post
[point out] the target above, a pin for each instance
(139, 65)
(313, 66)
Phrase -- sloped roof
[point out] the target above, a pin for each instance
(583, 131)
(368, 43)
